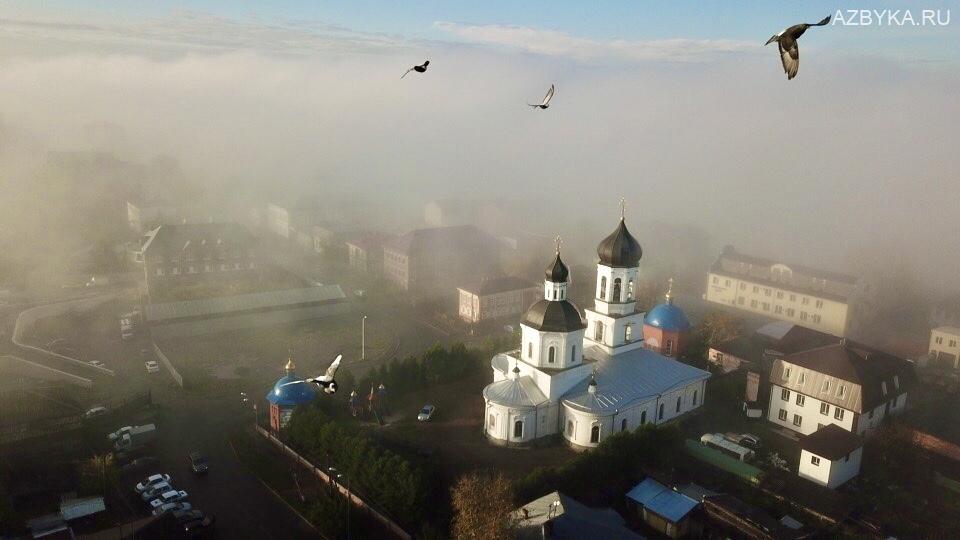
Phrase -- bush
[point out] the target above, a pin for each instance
(437, 365)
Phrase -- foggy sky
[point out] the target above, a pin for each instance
(855, 160)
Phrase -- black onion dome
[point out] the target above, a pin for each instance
(620, 249)
(554, 316)
(557, 272)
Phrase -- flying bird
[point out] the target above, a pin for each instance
(419, 69)
(546, 99)
(325, 381)
(787, 41)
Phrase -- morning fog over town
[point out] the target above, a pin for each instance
(479, 270)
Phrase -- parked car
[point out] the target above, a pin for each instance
(151, 481)
(119, 433)
(152, 366)
(198, 525)
(168, 497)
(198, 464)
(186, 516)
(747, 440)
(156, 491)
(99, 410)
(140, 463)
(181, 506)
(426, 413)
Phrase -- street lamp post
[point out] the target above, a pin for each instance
(363, 338)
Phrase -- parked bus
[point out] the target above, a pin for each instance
(718, 442)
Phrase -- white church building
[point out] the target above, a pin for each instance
(586, 379)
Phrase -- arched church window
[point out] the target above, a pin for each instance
(551, 354)
(694, 398)
(603, 287)
(493, 421)
(518, 429)
(668, 348)
(573, 354)
(569, 429)
(595, 434)
(643, 418)
(530, 350)
(616, 289)
(598, 331)
(660, 416)
(623, 425)
(678, 403)
(628, 333)
(630, 290)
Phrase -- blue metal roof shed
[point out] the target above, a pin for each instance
(661, 500)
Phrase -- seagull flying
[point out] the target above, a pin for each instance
(419, 69)
(546, 99)
(325, 381)
(787, 41)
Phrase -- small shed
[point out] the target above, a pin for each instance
(662, 508)
(830, 456)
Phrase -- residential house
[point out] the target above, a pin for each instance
(945, 347)
(771, 340)
(830, 456)
(365, 253)
(495, 298)
(845, 383)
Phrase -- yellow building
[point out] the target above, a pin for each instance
(945, 346)
(826, 301)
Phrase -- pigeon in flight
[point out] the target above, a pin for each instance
(546, 100)
(419, 69)
(325, 381)
(787, 41)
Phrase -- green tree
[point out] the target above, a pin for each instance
(483, 505)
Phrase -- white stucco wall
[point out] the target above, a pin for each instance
(831, 474)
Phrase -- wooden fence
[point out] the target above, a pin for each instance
(322, 475)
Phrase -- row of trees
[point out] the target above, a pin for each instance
(438, 365)
(391, 483)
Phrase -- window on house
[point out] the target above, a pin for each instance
(825, 387)
(660, 415)
(616, 290)
(518, 429)
(841, 390)
(678, 403)
(816, 318)
(595, 434)
(778, 310)
(727, 283)
(802, 378)
(815, 460)
(825, 408)
(786, 374)
(819, 303)
(783, 414)
(838, 413)
(785, 394)
(790, 312)
(623, 425)
(805, 301)
(938, 340)
(716, 280)
(530, 350)
(603, 287)
(779, 295)
(803, 315)
(800, 399)
(953, 343)
(573, 354)
(753, 303)
(630, 290)
(766, 306)
(767, 292)
(797, 420)
(793, 298)
(551, 354)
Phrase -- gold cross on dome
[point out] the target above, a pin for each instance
(623, 207)
(559, 241)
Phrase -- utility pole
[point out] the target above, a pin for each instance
(363, 338)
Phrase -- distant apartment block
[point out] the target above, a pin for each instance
(432, 262)
(830, 302)
(175, 254)
(845, 384)
(495, 298)
(945, 347)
